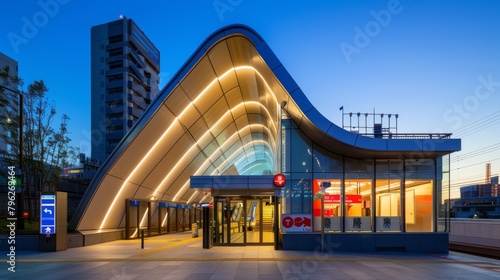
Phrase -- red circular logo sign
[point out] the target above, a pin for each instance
(279, 180)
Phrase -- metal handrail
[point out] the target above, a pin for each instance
(408, 135)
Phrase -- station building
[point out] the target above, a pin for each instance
(234, 131)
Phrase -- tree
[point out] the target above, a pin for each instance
(44, 149)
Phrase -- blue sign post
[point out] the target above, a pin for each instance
(48, 214)
(53, 222)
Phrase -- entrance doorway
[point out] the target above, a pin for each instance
(244, 220)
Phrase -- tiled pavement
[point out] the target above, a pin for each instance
(179, 256)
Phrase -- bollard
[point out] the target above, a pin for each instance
(194, 226)
(142, 239)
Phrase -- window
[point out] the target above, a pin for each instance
(115, 104)
(112, 129)
(330, 191)
(418, 205)
(358, 205)
(116, 77)
(419, 184)
(115, 52)
(388, 204)
(115, 90)
(115, 39)
(115, 64)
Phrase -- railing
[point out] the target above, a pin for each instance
(475, 236)
(408, 135)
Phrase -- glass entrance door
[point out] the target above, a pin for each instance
(244, 221)
(236, 221)
(260, 220)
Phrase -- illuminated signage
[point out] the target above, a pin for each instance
(279, 180)
(48, 214)
(349, 198)
(296, 223)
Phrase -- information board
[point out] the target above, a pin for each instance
(48, 214)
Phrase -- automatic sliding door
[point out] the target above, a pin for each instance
(267, 220)
(253, 221)
(241, 221)
(260, 220)
(236, 221)
(220, 229)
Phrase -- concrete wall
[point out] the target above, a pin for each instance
(484, 232)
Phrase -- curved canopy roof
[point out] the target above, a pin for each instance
(220, 115)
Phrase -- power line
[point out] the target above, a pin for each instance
(478, 125)
(482, 126)
(478, 152)
(474, 164)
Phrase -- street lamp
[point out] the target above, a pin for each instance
(20, 198)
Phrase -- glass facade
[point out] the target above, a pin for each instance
(343, 194)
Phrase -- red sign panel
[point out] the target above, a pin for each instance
(279, 180)
(349, 198)
(296, 223)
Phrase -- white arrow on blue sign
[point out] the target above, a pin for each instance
(48, 214)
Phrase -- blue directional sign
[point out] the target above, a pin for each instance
(48, 214)
(135, 203)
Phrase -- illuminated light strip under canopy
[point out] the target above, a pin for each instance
(162, 138)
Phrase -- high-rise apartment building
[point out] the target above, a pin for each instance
(5, 148)
(124, 79)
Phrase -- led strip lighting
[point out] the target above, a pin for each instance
(162, 137)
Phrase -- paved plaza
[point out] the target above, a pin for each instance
(179, 256)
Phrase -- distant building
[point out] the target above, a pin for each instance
(124, 79)
(479, 201)
(6, 149)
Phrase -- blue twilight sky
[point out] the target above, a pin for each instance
(435, 63)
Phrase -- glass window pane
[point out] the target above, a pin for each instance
(300, 196)
(418, 206)
(389, 169)
(301, 158)
(388, 205)
(329, 191)
(324, 161)
(358, 205)
(359, 166)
